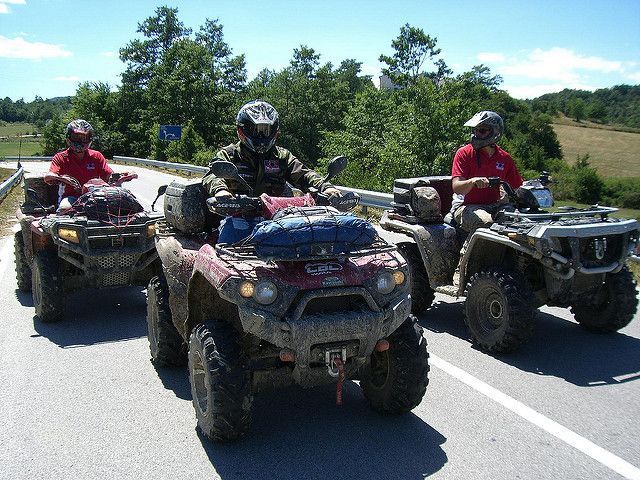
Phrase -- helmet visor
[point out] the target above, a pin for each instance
(80, 137)
(482, 131)
(260, 130)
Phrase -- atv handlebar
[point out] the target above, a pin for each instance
(240, 204)
(342, 203)
(244, 205)
(117, 179)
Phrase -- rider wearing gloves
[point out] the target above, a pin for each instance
(474, 204)
(76, 165)
(264, 166)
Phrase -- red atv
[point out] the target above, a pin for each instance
(309, 295)
(104, 239)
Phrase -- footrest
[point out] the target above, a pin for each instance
(448, 290)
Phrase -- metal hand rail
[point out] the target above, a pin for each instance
(8, 184)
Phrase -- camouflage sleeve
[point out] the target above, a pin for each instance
(300, 176)
(210, 182)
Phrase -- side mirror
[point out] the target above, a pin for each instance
(224, 169)
(228, 171)
(161, 191)
(33, 196)
(336, 165)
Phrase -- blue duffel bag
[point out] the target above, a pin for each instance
(309, 231)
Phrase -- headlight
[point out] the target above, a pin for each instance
(69, 234)
(399, 277)
(385, 282)
(266, 292)
(247, 289)
(151, 230)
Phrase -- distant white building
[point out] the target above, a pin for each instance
(383, 82)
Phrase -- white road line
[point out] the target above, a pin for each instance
(5, 255)
(599, 454)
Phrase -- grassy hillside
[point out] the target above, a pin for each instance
(10, 143)
(613, 153)
(17, 128)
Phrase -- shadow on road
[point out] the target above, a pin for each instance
(302, 434)
(24, 298)
(98, 316)
(175, 379)
(559, 348)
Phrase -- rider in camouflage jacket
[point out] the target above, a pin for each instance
(262, 164)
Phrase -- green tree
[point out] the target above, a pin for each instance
(596, 111)
(173, 78)
(412, 48)
(577, 108)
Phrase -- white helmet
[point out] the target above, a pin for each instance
(487, 128)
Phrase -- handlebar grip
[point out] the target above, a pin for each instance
(494, 182)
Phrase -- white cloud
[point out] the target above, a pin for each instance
(66, 79)
(108, 54)
(4, 8)
(556, 64)
(491, 57)
(20, 48)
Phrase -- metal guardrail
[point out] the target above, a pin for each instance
(367, 198)
(25, 159)
(8, 184)
(157, 163)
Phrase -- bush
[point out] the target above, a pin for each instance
(622, 192)
(587, 186)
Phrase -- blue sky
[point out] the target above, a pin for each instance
(48, 46)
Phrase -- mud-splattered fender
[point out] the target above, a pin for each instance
(178, 254)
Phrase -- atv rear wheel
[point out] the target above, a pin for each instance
(166, 345)
(395, 380)
(23, 270)
(220, 382)
(46, 287)
(422, 294)
(612, 307)
(498, 310)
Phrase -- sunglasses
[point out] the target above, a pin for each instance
(482, 130)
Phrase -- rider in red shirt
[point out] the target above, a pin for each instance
(76, 165)
(474, 204)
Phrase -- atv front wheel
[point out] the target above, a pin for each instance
(166, 345)
(498, 311)
(612, 307)
(23, 270)
(220, 382)
(46, 287)
(422, 294)
(395, 380)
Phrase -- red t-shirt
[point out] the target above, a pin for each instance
(91, 165)
(500, 164)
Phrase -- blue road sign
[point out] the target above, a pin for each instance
(170, 132)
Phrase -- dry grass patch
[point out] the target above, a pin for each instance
(612, 153)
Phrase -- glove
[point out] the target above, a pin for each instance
(332, 192)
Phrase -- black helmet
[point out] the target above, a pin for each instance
(79, 134)
(258, 125)
(492, 131)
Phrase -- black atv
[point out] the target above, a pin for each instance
(105, 239)
(528, 258)
(309, 296)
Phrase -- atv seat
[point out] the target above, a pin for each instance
(47, 195)
(403, 188)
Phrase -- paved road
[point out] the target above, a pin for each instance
(81, 400)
